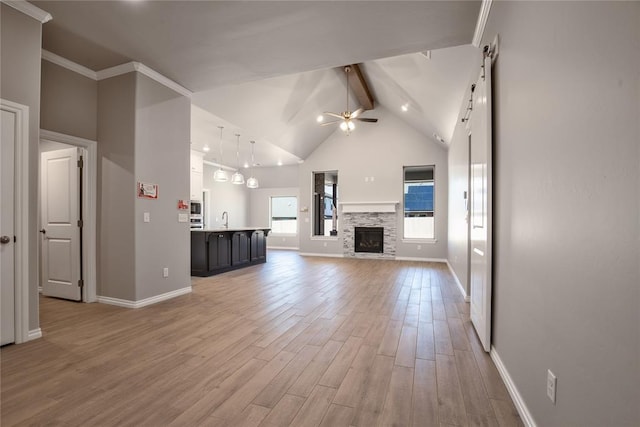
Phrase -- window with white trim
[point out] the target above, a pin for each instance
(419, 202)
(284, 215)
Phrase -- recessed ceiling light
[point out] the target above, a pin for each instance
(246, 165)
(279, 162)
(405, 107)
(205, 148)
(320, 118)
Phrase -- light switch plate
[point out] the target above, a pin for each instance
(183, 217)
(147, 217)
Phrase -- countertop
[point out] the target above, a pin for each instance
(221, 230)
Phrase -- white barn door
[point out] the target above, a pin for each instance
(481, 201)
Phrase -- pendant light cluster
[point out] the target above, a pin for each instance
(237, 178)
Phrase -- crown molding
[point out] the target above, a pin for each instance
(143, 69)
(483, 16)
(29, 9)
(69, 65)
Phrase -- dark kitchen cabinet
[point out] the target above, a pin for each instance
(258, 246)
(240, 249)
(219, 251)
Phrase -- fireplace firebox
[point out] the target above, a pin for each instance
(369, 239)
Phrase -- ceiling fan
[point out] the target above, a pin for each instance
(346, 118)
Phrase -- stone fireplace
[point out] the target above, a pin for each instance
(367, 217)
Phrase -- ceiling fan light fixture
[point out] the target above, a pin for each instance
(347, 126)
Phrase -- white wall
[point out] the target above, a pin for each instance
(228, 197)
(375, 150)
(567, 234)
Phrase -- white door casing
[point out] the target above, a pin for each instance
(60, 210)
(480, 207)
(7, 231)
(89, 206)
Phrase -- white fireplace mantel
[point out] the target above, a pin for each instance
(365, 207)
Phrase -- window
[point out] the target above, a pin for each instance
(284, 215)
(325, 203)
(419, 199)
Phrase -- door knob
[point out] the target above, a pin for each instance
(43, 231)
(5, 239)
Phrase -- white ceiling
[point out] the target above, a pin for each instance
(266, 69)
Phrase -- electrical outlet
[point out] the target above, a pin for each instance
(552, 381)
(419, 247)
(325, 244)
(165, 272)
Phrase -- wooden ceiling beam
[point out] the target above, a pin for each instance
(360, 88)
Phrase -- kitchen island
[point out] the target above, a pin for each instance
(215, 251)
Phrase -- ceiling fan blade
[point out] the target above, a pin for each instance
(356, 113)
(339, 116)
(366, 119)
(330, 123)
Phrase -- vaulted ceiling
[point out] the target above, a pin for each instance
(266, 69)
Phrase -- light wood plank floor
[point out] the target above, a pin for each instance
(297, 341)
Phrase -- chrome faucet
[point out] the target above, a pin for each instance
(225, 217)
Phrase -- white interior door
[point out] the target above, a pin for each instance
(60, 193)
(480, 230)
(7, 232)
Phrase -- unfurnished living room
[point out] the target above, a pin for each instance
(320, 213)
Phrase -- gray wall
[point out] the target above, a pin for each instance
(69, 102)
(567, 235)
(225, 196)
(379, 150)
(162, 155)
(116, 187)
(21, 38)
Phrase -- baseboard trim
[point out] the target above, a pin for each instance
(283, 248)
(410, 258)
(322, 255)
(460, 287)
(144, 302)
(34, 334)
(518, 401)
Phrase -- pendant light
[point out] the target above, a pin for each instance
(252, 182)
(237, 177)
(220, 175)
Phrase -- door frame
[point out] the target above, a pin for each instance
(21, 220)
(89, 206)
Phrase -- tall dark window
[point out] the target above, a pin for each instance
(325, 203)
(419, 197)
